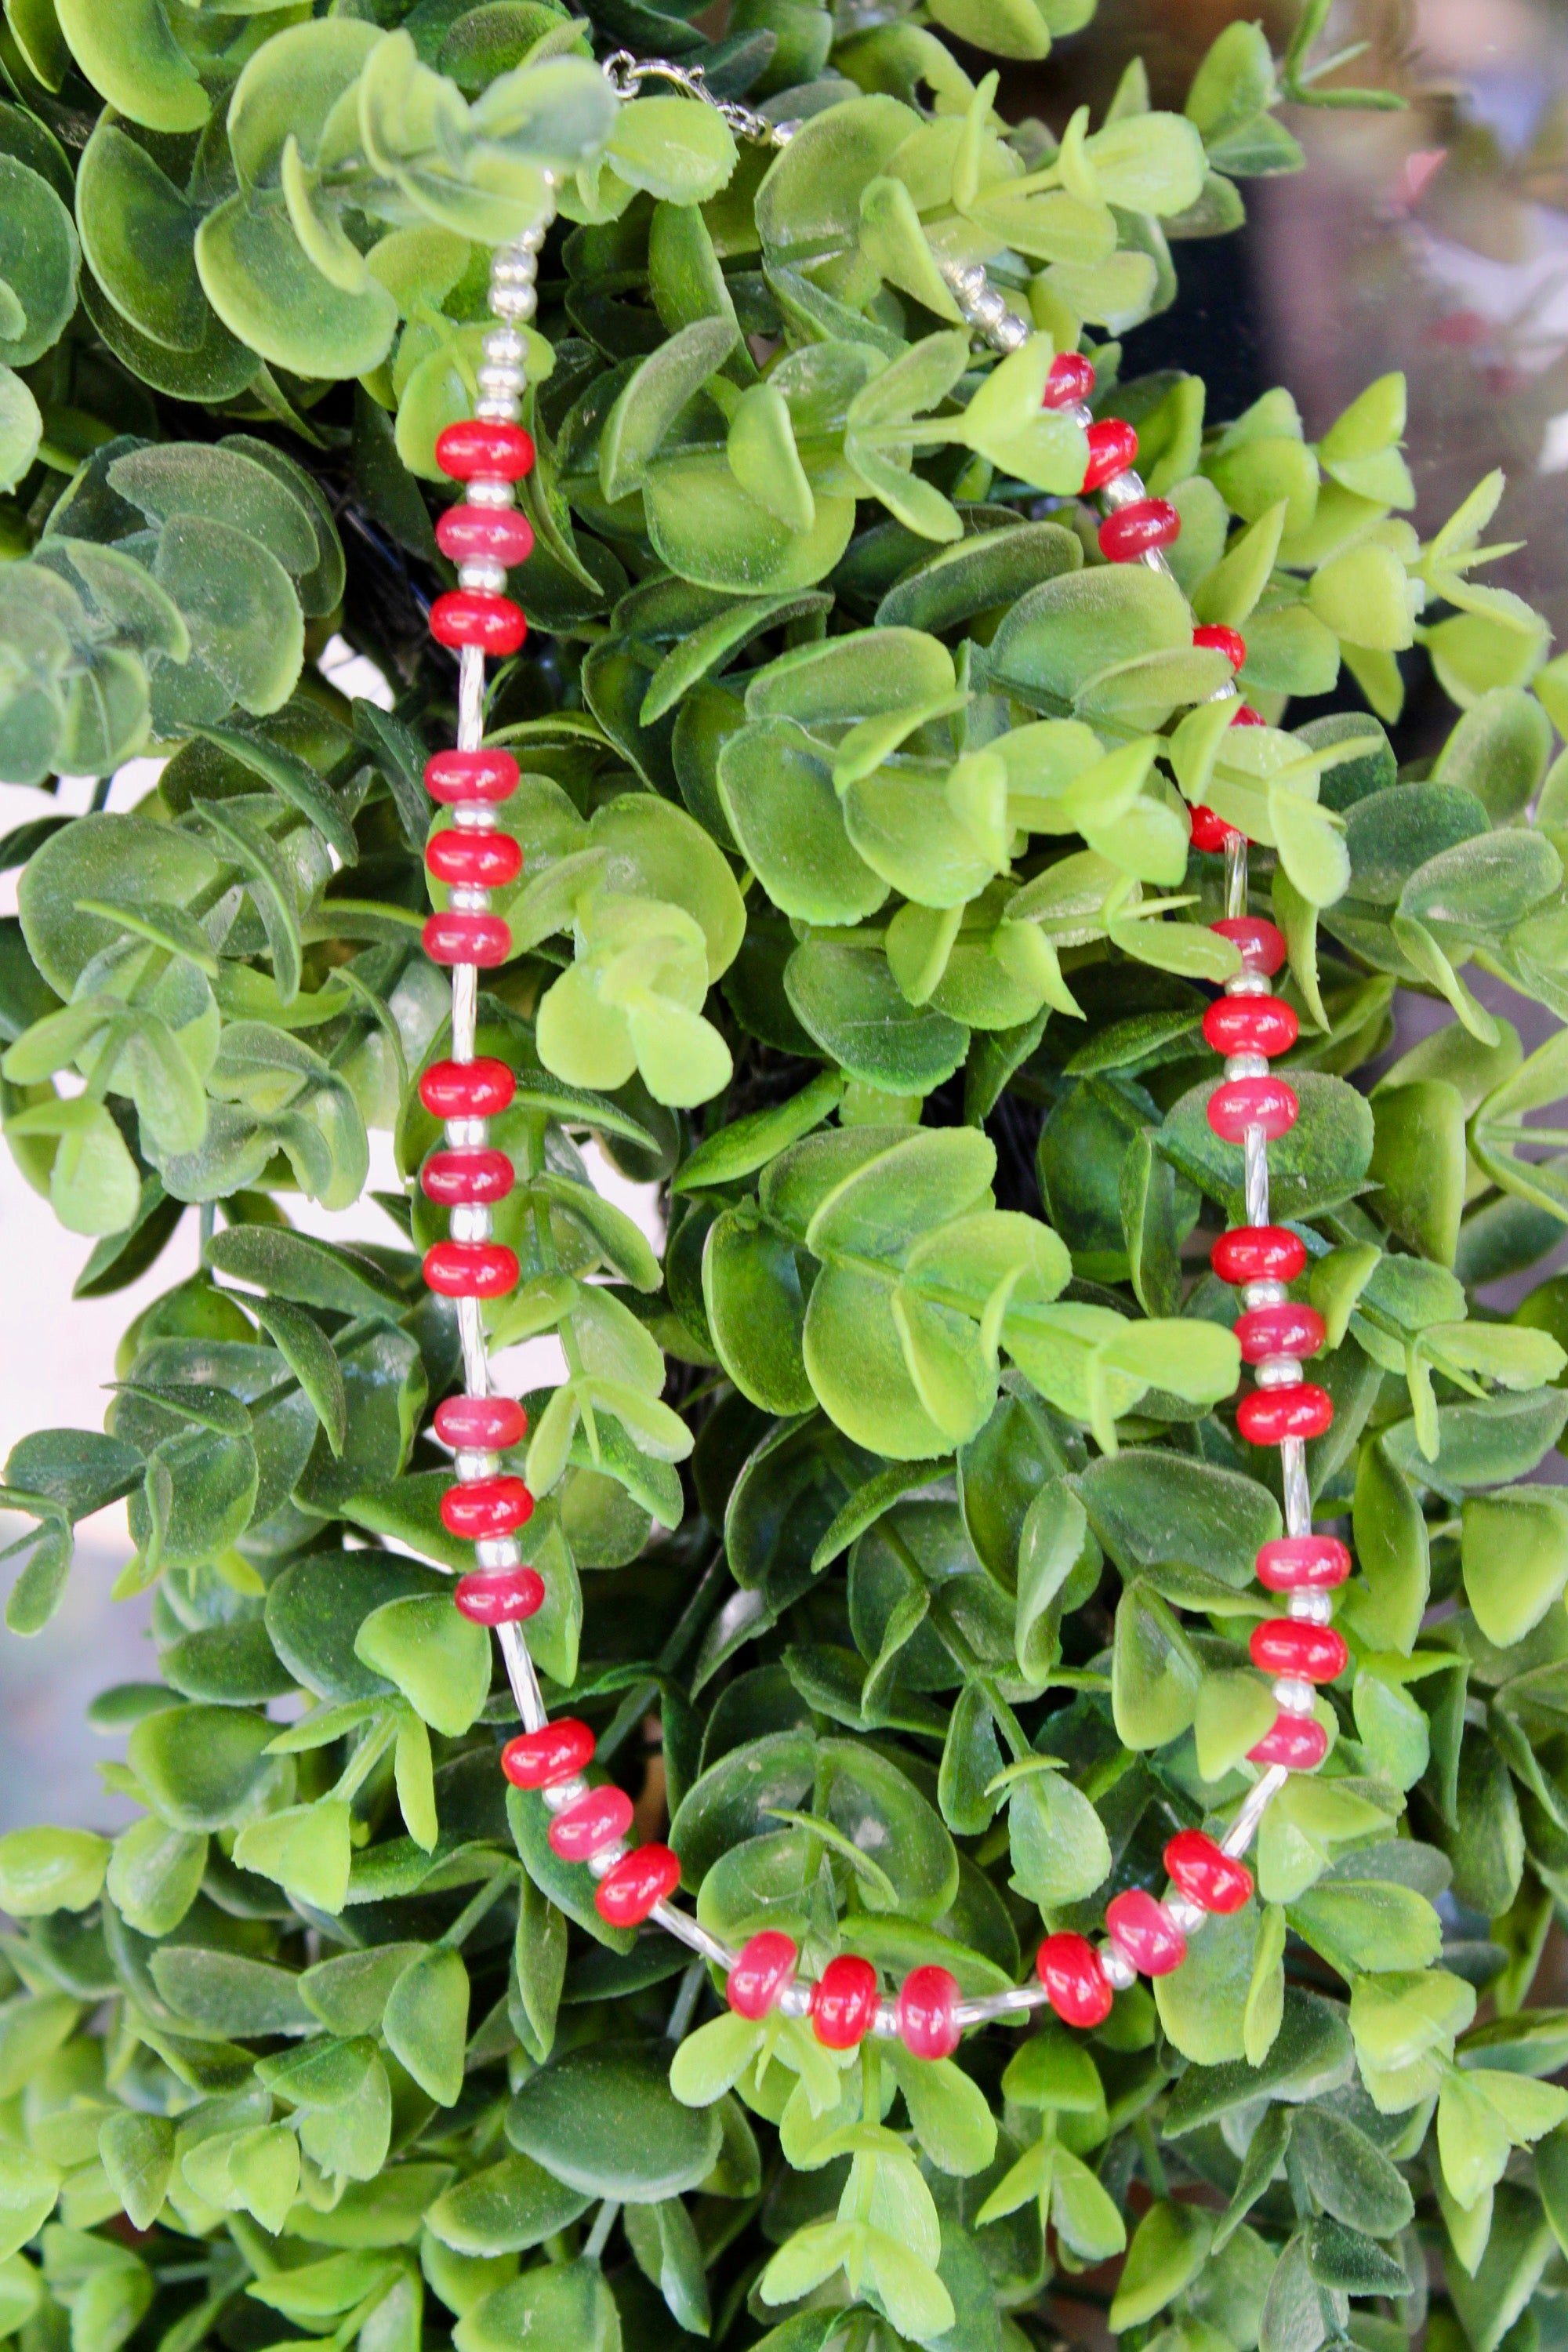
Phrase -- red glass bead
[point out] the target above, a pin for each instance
(485, 534)
(488, 1424)
(1138, 530)
(505, 1596)
(1281, 1645)
(1302, 1563)
(1071, 381)
(1261, 942)
(1215, 1880)
(641, 1880)
(1210, 832)
(1268, 1416)
(475, 447)
(461, 1180)
(1218, 640)
(481, 940)
(1076, 1985)
(844, 2002)
(1284, 1330)
(1238, 1104)
(594, 1822)
(1299, 1741)
(1258, 1254)
(474, 616)
(1112, 447)
(927, 2003)
(1251, 1025)
(538, 1760)
(1144, 1930)
(487, 860)
(1247, 717)
(764, 1967)
(486, 1507)
(451, 776)
(470, 1269)
(475, 1089)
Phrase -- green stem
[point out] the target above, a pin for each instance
(598, 2236)
(1153, 2164)
(686, 2001)
(871, 2082)
(693, 1617)
(365, 1759)
(469, 1918)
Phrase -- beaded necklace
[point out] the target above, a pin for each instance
(1146, 1934)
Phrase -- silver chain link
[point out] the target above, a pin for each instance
(627, 74)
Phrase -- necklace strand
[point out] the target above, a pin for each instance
(1146, 1934)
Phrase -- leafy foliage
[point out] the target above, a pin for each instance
(859, 912)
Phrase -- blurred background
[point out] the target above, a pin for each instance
(1434, 240)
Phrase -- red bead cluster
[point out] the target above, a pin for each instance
(1142, 1928)
(487, 539)
(1251, 1106)
(1277, 1333)
(590, 1822)
(844, 2002)
(487, 1506)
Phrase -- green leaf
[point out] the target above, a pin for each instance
(425, 2022)
(1169, 2247)
(43, 1870)
(654, 396)
(605, 2122)
(435, 1656)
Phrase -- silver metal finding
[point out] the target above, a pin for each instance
(627, 74)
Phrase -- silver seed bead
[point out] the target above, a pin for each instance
(1295, 1694)
(499, 379)
(513, 301)
(473, 816)
(494, 1553)
(563, 1793)
(1277, 1372)
(504, 347)
(484, 575)
(794, 1999)
(1119, 1970)
(1263, 1294)
(1248, 983)
(470, 1463)
(1188, 1915)
(600, 1864)
(1246, 1066)
(495, 410)
(1311, 1608)
(468, 898)
(486, 490)
(885, 2024)
(472, 1222)
(467, 1134)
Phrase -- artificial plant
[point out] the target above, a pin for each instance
(854, 799)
